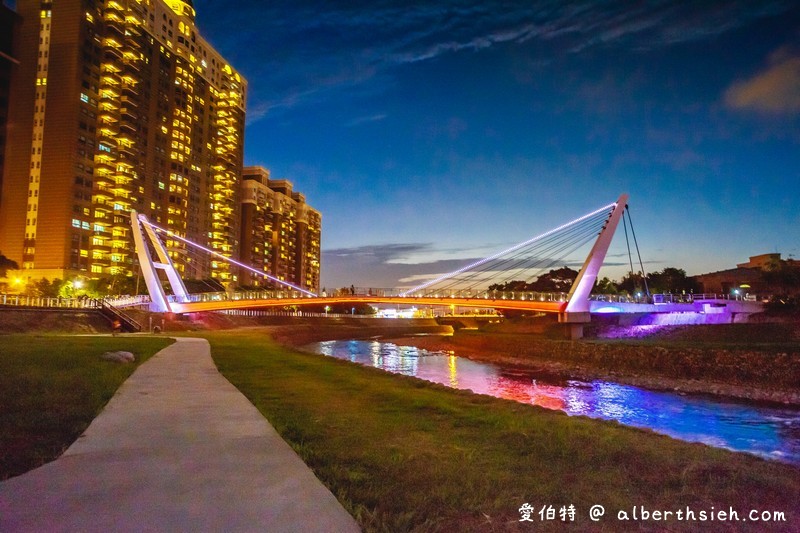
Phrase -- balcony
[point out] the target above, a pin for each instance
(102, 248)
(129, 114)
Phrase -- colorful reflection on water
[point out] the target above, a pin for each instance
(772, 432)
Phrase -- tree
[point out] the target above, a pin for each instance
(511, 286)
(632, 283)
(782, 277)
(605, 286)
(557, 280)
(44, 288)
(113, 285)
(671, 280)
(6, 264)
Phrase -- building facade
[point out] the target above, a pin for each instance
(747, 278)
(280, 232)
(119, 105)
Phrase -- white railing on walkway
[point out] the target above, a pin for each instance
(21, 300)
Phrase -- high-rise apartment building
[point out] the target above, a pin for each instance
(119, 105)
(280, 232)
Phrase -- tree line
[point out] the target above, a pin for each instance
(669, 280)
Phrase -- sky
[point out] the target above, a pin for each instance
(429, 134)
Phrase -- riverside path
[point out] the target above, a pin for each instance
(178, 448)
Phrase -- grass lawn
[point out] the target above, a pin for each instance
(51, 387)
(402, 454)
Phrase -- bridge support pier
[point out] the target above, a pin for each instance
(574, 331)
(574, 323)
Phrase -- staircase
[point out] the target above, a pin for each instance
(113, 313)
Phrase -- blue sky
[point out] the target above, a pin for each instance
(432, 133)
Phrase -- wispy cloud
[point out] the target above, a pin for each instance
(406, 264)
(381, 265)
(366, 120)
(307, 49)
(379, 253)
(774, 90)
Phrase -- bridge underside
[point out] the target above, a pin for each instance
(519, 305)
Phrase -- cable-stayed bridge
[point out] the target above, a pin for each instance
(468, 286)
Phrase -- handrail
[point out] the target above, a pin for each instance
(126, 319)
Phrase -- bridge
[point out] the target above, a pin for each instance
(465, 287)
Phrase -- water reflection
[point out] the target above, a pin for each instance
(772, 432)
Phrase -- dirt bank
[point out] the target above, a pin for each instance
(747, 374)
(43, 320)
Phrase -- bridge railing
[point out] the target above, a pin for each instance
(472, 294)
(241, 295)
(668, 298)
(122, 302)
(21, 300)
(475, 294)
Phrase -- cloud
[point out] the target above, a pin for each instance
(381, 265)
(379, 253)
(301, 52)
(366, 119)
(404, 265)
(774, 90)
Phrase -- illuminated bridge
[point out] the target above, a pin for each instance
(465, 287)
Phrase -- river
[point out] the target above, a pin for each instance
(768, 431)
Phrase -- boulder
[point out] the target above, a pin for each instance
(118, 357)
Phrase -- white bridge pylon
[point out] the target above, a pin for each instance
(158, 299)
(578, 298)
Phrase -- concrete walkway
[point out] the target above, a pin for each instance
(178, 448)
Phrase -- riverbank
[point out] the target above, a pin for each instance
(406, 455)
(744, 369)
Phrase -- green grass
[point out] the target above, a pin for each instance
(51, 387)
(405, 455)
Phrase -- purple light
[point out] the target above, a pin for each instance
(607, 309)
(144, 220)
(509, 250)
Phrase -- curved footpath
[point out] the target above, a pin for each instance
(178, 448)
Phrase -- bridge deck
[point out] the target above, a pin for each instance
(221, 305)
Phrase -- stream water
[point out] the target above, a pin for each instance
(765, 430)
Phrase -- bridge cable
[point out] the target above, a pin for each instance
(546, 256)
(553, 244)
(498, 254)
(627, 243)
(553, 262)
(532, 255)
(518, 259)
(641, 264)
(217, 254)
